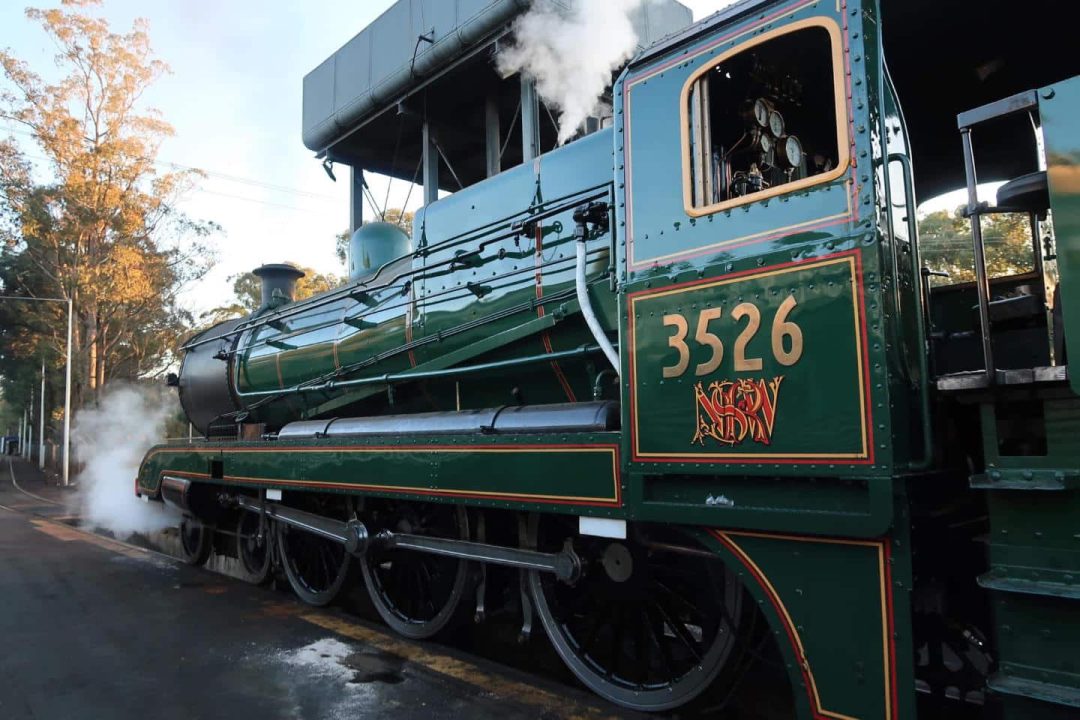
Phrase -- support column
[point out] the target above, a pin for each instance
(492, 136)
(356, 199)
(431, 165)
(530, 120)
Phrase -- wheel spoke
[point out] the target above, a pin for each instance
(418, 595)
(646, 635)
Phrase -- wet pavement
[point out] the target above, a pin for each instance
(95, 628)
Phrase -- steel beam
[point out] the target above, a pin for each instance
(530, 120)
(492, 136)
(430, 165)
(356, 198)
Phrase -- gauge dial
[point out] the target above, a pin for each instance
(766, 142)
(761, 112)
(793, 151)
(776, 124)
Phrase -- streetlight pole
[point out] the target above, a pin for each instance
(67, 377)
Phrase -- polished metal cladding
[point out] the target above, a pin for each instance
(598, 416)
(175, 492)
(205, 386)
(374, 245)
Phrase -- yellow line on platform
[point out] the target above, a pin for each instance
(502, 687)
(66, 533)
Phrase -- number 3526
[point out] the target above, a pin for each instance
(787, 338)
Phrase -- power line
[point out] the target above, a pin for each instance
(210, 173)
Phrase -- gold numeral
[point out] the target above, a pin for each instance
(782, 327)
(707, 339)
(748, 310)
(678, 341)
(787, 339)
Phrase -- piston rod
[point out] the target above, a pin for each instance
(565, 565)
(352, 534)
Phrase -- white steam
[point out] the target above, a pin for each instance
(110, 440)
(571, 53)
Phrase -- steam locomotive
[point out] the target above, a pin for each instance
(683, 389)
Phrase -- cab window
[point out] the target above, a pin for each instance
(765, 118)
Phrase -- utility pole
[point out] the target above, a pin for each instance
(67, 378)
(22, 433)
(67, 401)
(41, 421)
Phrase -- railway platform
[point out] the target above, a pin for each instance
(94, 627)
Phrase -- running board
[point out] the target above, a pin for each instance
(353, 534)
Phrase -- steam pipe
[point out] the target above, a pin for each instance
(586, 304)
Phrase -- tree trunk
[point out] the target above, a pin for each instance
(91, 349)
(102, 337)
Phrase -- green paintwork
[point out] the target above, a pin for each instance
(761, 242)
(1059, 107)
(819, 511)
(478, 275)
(810, 588)
(504, 471)
(811, 411)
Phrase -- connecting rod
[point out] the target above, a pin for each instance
(353, 534)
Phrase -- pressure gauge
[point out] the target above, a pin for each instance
(776, 124)
(766, 143)
(792, 151)
(761, 112)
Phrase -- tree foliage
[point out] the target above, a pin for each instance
(945, 245)
(96, 221)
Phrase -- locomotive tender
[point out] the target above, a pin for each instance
(683, 389)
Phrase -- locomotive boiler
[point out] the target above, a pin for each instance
(689, 392)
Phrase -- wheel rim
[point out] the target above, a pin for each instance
(254, 556)
(645, 628)
(315, 567)
(194, 541)
(416, 594)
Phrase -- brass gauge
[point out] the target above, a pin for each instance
(776, 124)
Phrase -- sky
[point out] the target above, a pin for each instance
(234, 100)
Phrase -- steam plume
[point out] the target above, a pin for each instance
(111, 440)
(571, 52)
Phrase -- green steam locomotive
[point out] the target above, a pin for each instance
(684, 388)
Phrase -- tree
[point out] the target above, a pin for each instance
(104, 231)
(397, 216)
(247, 293)
(945, 245)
